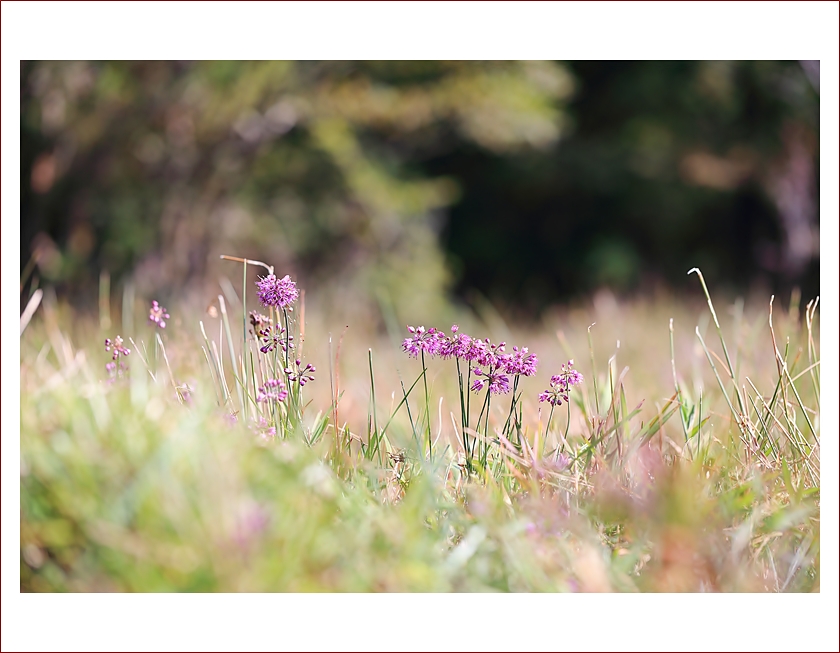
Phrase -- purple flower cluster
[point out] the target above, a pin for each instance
(487, 354)
(474, 350)
(499, 384)
(561, 384)
(301, 376)
(459, 345)
(277, 292)
(273, 338)
(258, 320)
(272, 390)
(117, 345)
(262, 427)
(520, 362)
(158, 315)
(115, 367)
(428, 342)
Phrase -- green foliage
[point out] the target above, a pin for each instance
(314, 165)
(528, 181)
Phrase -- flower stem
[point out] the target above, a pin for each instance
(568, 421)
(428, 413)
(376, 434)
(486, 407)
(512, 405)
(548, 424)
(486, 430)
(463, 413)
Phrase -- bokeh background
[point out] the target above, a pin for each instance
(420, 183)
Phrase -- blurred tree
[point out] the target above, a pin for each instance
(547, 179)
(313, 166)
(669, 165)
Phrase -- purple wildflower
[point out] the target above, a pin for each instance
(301, 376)
(498, 382)
(458, 345)
(568, 375)
(272, 390)
(116, 367)
(483, 353)
(561, 384)
(258, 321)
(158, 315)
(429, 341)
(273, 338)
(561, 462)
(277, 292)
(520, 362)
(262, 427)
(117, 345)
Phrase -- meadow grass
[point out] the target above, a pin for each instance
(686, 460)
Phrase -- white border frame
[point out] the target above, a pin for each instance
(411, 30)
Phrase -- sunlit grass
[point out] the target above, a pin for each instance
(687, 461)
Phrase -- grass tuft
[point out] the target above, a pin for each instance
(669, 469)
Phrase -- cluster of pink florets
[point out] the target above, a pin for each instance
(560, 385)
(493, 365)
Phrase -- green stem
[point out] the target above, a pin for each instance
(512, 405)
(594, 371)
(428, 413)
(486, 431)
(463, 414)
(568, 422)
(373, 406)
(410, 420)
(469, 372)
(548, 424)
(484, 407)
(286, 320)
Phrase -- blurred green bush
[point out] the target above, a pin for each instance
(529, 181)
(313, 166)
